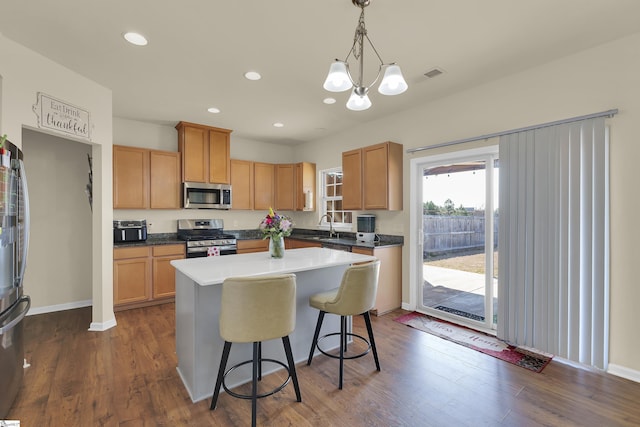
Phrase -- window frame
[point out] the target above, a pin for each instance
(324, 199)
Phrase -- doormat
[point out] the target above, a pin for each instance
(478, 341)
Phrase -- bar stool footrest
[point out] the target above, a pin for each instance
(248, 396)
(349, 334)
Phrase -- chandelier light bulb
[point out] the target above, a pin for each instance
(358, 102)
(392, 83)
(338, 78)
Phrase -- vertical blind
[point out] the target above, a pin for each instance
(554, 240)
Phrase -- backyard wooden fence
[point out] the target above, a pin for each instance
(443, 234)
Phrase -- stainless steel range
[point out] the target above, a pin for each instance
(202, 235)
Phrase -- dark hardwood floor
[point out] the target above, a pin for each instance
(126, 376)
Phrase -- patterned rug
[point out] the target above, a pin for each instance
(478, 341)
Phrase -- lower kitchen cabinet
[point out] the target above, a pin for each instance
(297, 244)
(143, 275)
(249, 246)
(389, 295)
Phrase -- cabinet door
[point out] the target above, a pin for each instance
(164, 276)
(352, 180)
(195, 154)
(305, 185)
(375, 176)
(285, 187)
(389, 296)
(130, 178)
(219, 160)
(165, 180)
(263, 179)
(249, 246)
(241, 184)
(131, 280)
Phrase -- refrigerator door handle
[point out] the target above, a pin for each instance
(19, 317)
(27, 222)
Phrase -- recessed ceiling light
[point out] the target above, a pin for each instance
(252, 75)
(278, 125)
(135, 38)
(329, 101)
(213, 110)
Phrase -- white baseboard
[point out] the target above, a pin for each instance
(102, 326)
(59, 307)
(407, 306)
(621, 371)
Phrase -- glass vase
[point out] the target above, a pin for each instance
(276, 246)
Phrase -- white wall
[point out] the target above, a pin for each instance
(59, 260)
(598, 79)
(24, 74)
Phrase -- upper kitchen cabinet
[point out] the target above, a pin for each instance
(205, 153)
(144, 179)
(372, 177)
(285, 194)
(263, 185)
(305, 186)
(242, 184)
(352, 180)
(164, 185)
(130, 177)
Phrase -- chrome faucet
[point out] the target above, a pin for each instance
(332, 233)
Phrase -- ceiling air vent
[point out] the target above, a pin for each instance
(433, 73)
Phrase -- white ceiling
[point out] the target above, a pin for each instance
(199, 50)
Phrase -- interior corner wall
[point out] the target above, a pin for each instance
(25, 73)
(594, 80)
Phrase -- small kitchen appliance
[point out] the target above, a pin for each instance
(206, 236)
(366, 228)
(125, 230)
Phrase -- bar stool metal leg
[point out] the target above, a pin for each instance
(223, 366)
(343, 344)
(367, 321)
(254, 385)
(292, 367)
(314, 343)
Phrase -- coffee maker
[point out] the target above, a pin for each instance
(366, 228)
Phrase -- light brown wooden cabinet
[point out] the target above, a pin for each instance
(205, 153)
(372, 177)
(389, 296)
(352, 180)
(143, 275)
(283, 187)
(305, 183)
(285, 180)
(250, 246)
(290, 243)
(144, 179)
(263, 185)
(242, 184)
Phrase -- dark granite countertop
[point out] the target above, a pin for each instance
(343, 239)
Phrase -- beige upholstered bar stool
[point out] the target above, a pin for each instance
(253, 310)
(355, 296)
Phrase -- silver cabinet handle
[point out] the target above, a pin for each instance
(19, 317)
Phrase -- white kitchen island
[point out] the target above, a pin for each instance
(198, 291)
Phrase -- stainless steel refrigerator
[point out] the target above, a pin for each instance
(14, 242)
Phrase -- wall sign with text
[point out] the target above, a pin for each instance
(62, 117)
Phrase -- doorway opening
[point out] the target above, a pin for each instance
(458, 237)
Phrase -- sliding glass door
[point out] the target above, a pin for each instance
(456, 224)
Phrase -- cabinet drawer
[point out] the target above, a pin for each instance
(132, 252)
(165, 250)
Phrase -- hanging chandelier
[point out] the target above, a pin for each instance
(340, 79)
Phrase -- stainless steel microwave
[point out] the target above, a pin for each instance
(197, 195)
